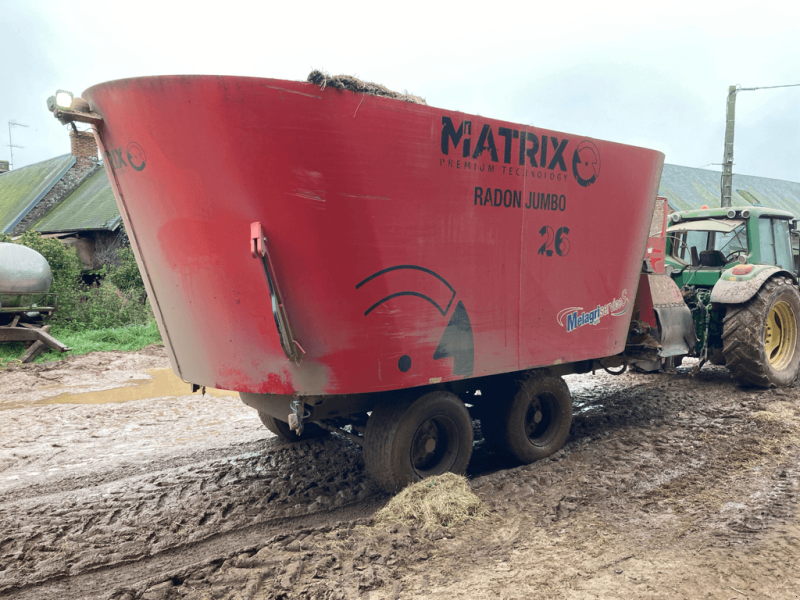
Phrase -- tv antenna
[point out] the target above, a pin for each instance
(11, 145)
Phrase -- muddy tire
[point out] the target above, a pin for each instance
(760, 337)
(281, 429)
(716, 357)
(406, 441)
(534, 422)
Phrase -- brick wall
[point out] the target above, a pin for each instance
(84, 148)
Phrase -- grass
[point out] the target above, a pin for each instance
(439, 501)
(130, 338)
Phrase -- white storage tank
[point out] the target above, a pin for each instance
(22, 271)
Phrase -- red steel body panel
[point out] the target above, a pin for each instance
(395, 269)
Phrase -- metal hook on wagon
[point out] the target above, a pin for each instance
(297, 415)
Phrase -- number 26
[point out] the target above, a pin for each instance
(559, 240)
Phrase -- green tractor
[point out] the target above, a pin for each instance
(737, 271)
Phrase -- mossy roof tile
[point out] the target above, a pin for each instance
(688, 188)
(90, 206)
(21, 189)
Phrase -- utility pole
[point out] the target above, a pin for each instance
(727, 156)
(11, 145)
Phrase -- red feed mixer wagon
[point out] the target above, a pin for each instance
(364, 264)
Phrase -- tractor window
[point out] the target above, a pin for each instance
(796, 250)
(730, 244)
(776, 247)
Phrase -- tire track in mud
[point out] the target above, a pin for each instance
(136, 518)
(697, 461)
(133, 575)
(104, 475)
(646, 459)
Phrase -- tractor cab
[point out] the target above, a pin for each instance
(701, 244)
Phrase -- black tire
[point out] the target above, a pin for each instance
(494, 394)
(408, 440)
(281, 429)
(717, 357)
(534, 422)
(747, 327)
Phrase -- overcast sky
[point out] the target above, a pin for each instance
(653, 74)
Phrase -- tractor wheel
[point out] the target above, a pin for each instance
(281, 429)
(406, 441)
(533, 423)
(760, 337)
(717, 357)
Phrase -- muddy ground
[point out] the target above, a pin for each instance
(668, 487)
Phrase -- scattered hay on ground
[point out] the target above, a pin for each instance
(348, 82)
(438, 501)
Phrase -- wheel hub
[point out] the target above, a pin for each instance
(540, 419)
(780, 335)
(432, 444)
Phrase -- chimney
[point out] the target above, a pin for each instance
(84, 148)
(3, 166)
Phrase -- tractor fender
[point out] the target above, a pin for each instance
(736, 289)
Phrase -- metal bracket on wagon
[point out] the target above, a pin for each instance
(258, 249)
(297, 416)
(68, 109)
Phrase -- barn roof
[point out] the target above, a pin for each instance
(688, 188)
(21, 189)
(90, 207)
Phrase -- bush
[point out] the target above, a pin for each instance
(126, 275)
(104, 306)
(118, 300)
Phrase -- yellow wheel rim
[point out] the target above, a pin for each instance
(780, 335)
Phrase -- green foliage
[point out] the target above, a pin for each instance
(104, 306)
(125, 339)
(126, 275)
(113, 314)
(117, 301)
(64, 262)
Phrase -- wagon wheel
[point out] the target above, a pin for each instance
(534, 422)
(408, 440)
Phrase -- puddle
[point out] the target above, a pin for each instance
(163, 384)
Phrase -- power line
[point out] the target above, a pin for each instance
(726, 181)
(766, 87)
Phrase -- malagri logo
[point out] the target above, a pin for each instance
(575, 317)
